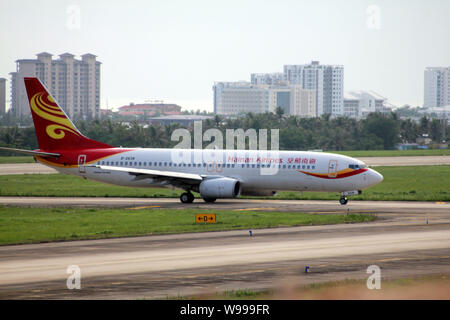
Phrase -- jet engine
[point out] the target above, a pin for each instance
(220, 188)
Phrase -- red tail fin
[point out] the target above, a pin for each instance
(54, 130)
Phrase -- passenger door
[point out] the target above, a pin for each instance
(332, 169)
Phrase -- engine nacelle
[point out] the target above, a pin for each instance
(220, 188)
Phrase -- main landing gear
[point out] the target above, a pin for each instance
(187, 197)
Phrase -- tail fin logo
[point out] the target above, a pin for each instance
(45, 107)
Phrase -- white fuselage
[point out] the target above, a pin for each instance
(256, 170)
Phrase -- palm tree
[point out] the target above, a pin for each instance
(279, 111)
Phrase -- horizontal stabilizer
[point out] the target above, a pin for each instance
(31, 152)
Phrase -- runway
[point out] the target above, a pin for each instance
(408, 239)
(33, 168)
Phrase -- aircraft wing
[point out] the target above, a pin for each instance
(172, 176)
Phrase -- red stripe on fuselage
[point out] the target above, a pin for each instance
(338, 176)
(69, 158)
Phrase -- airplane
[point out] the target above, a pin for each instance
(213, 173)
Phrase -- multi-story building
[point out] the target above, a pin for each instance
(232, 98)
(303, 102)
(358, 104)
(436, 87)
(327, 80)
(150, 109)
(75, 84)
(351, 106)
(276, 78)
(2, 96)
(293, 100)
(308, 90)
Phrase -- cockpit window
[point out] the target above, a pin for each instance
(357, 166)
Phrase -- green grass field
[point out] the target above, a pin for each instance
(18, 159)
(409, 183)
(394, 153)
(33, 225)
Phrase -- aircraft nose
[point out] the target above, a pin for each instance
(375, 177)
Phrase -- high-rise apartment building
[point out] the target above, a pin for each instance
(308, 90)
(327, 80)
(74, 83)
(436, 87)
(2, 96)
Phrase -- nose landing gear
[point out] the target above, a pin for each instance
(343, 200)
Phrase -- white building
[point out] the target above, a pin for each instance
(2, 96)
(327, 80)
(231, 98)
(75, 84)
(276, 78)
(436, 87)
(358, 104)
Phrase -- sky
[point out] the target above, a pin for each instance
(175, 50)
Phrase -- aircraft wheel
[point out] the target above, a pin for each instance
(187, 197)
(209, 200)
(343, 200)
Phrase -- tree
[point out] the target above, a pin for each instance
(383, 127)
(279, 111)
